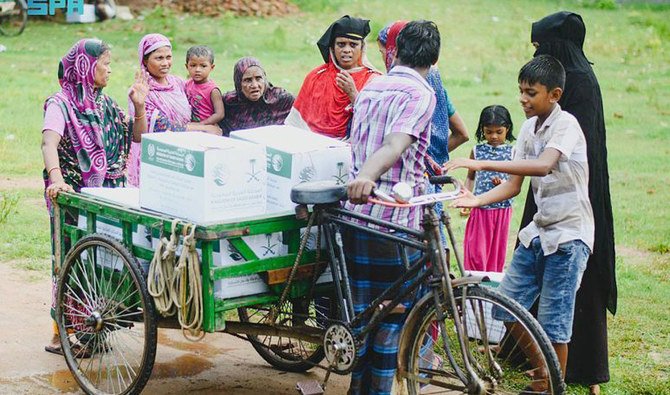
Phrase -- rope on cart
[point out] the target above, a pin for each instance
(161, 272)
(187, 287)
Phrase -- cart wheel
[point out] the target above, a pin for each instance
(105, 317)
(285, 353)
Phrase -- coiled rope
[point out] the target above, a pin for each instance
(187, 288)
(177, 286)
(161, 272)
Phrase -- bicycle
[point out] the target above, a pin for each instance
(13, 17)
(450, 342)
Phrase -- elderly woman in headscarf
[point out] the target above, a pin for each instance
(255, 102)
(325, 102)
(85, 137)
(561, 35)
(165, 106)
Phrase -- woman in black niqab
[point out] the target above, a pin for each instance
(561, 35)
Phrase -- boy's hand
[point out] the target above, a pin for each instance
(461, 163)
(466, 199)
(360, 189)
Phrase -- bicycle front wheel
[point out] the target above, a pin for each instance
(13, 17)
(507, 358)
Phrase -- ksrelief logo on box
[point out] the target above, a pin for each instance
(174, 158)
(220, 174)
(279, 163)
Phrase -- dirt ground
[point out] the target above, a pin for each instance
(219, 364)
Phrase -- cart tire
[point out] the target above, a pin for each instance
(105, 318)
(284, 353)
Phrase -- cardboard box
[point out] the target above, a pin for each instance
(202, 177)
(88, 16)
(294, 156)
(128, 197)
(495, 329)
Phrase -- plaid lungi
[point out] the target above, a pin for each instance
(374, 264)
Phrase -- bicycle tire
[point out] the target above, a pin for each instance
(105, 318)
(501, 366)
(285, 353)
(13, 22)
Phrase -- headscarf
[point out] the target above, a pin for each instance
(94, 125)
(352, 28)
(561, 35)
(321, 105)
(170, 99)
(242, 113)
(388, 37)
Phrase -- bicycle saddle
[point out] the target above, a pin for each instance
(318, 192)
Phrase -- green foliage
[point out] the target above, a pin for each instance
(600, 4)
(661, 248)
(319, 5)
(8, 203)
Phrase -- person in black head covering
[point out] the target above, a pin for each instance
(324, 103)
(561, 35)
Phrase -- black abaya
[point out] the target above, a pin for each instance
(562, 36)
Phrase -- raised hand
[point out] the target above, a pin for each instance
(140, 89)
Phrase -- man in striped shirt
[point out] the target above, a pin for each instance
(390, 134)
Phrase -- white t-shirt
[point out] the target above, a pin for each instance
(562, 197)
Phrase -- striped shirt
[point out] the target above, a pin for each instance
(563, 208)
(399, 102)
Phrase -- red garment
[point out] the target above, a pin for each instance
(323, 105)
(485, 244)
(200, 98)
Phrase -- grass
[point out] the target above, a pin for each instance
(484, 44)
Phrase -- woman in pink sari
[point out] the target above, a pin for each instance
(157, 102)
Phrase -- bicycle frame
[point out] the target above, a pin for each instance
(437, 279)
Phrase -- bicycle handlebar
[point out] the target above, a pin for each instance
(393, 201)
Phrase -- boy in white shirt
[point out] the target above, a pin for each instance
(551, 258)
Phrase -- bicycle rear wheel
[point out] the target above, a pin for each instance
(285, 353)
(13, 17)
(495, 350)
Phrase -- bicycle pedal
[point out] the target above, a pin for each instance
(309, 387)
